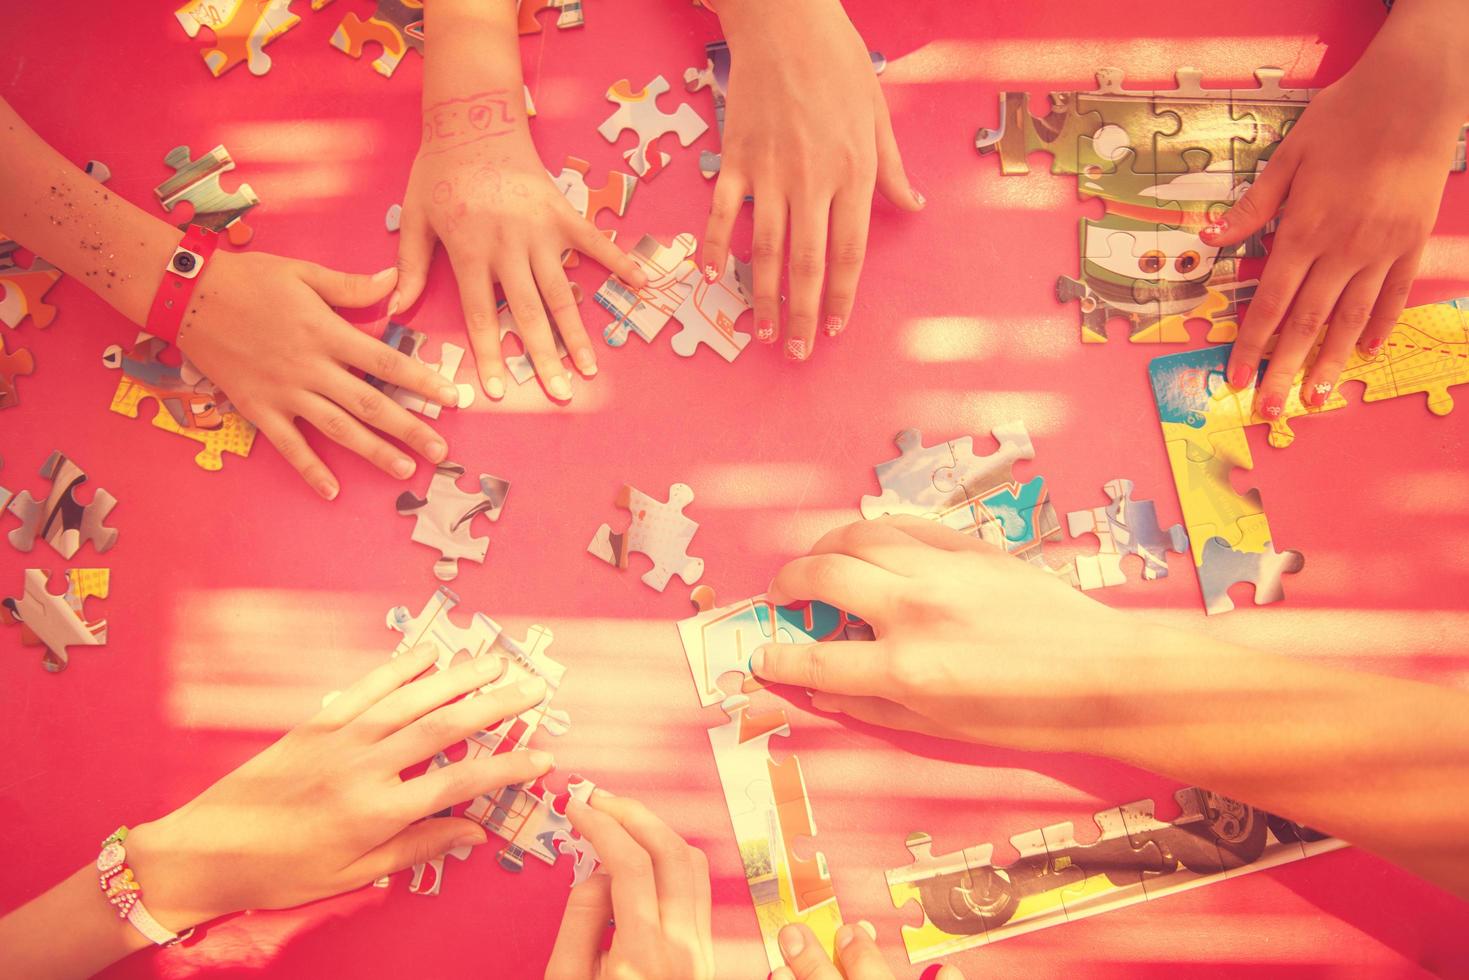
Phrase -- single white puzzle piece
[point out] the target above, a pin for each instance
(407, 341)
(658, 530)
(637, 110)
(710, 312)
(1124, 527)
(444, 516)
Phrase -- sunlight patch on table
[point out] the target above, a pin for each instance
(1434, 492)
(946, 413)
(761, 485)
(948, 339)
(302, 141)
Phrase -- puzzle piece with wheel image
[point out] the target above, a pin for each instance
(719, 640)
(196, 182)
(568, 14)
(614, 194)
(637, 110)
(241, 29)
(658, 530)
(968, 901)
(396, 26)
(444, 517)
(1123, 527)
(23, 289)
(769, 809)
(13, 365)
(60, 519)
(187, 403)
(58, 621)
(409, 342)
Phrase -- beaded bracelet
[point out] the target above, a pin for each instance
(124, 893)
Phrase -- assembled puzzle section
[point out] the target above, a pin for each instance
(444, 517)
(1165, 163)
(60, 519)
(708, 311)
(58, 621)
(968, 901)
(196, 181)
(637, 110)
(396, 26)
(1123, 527)
(657, 530)
(187, 403)
(409, 342)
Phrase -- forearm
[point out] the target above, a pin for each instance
(54, 209)
(70, 931)
(472, 84)
(1378, 761)
(1421, 46)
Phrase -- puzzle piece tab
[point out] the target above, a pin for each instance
(396, 26)
(637, 110)
(197, 182)
(1123, 527)
(58, 621)
(408, 342)
(60, 519)
(443, 519)
(658, 530)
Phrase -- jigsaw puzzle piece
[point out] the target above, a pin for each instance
(23, 290)
(1253, 559)
(58, 621)
(671, 274)
(60, 519)
(711, 310)
(197, 182)
(407, 341)
(614, 195)
(568, 14)
(1192, 118)
(658, 530)
(959, 894)
(434, 625)
(13, 365)
(1112, 867)
(1427, 352)
(1059, 132)
(443, 519)
(637, 110)
(396, 26)
(1124, 527)
(241, 28)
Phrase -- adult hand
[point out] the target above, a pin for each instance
(807, 134)
(653, 884)
(261, 327)
(857, 956)
(324, 810)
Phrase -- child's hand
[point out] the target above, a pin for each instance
(653, 884)
(806, 133)
(971, 643)
(324, 810)
(857, 954)
(261, 327)
(502, 220)
(1361, 205)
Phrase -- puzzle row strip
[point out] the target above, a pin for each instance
(768, 804)
(1165, 163)
(1204, 420)
(968, 901)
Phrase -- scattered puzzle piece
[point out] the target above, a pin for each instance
(396, 26)
(188, 404)
(614, 195)
(58, 621)
(197, 182)
(658, 530)
(61, 520)
(568, 14)
(407, 341)
(1123, 527)
(13, 365)
(711, 311)
(241, 28)
(444, 518)
(637, 110)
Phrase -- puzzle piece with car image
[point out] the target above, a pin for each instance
(444, 516)
(57, 622)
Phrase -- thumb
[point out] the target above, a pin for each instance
(417, 843)
(348, 289)
(415, 253)
(1260, 203)
(892, 180)
(579, 941)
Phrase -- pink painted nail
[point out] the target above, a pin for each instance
(1239, 377)
(1273, 407)
(1319, 393)
(1374, 348)
(765, 331)
(918, 196)
(1216, 227)
(796, 349)
(710, 273)
(833, 325)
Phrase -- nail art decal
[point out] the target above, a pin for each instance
(796, 349)
(710, 273)
(833, 325)
(765, 331)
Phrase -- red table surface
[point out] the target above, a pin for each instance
(239, 598)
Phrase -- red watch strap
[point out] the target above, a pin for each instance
(167, 312)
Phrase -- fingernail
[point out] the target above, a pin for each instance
(757, 661)
(489, 665)
(393, 303)
(402, 467)
(1318, 393)
(531, 687)
(467, 840)
(1215, 228)
(1272, 406)
(710, 273)
(327, 489)
(1239, 377)
(918, 196)
(586, 362)
(1374, 348)
(383, 275)
(449, 396)
(765, 330)
(796, 349)
(435, 451)
(791, 941)
(868, 928)
(494, 387)
(832, 325)
(845, 935)
(543, 760)
(559, 387)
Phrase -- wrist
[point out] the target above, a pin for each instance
(174, 873)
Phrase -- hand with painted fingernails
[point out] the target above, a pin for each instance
(970, 642)
(324, 810)
(857, 956)
(807, 135)
(293, 359)
(651, 884)
(1354, 209)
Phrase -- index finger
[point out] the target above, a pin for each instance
(377, 359)
(634, 894)
(836, 667)
(836, 579)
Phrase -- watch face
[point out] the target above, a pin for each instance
(185, 263)
(112, 855)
